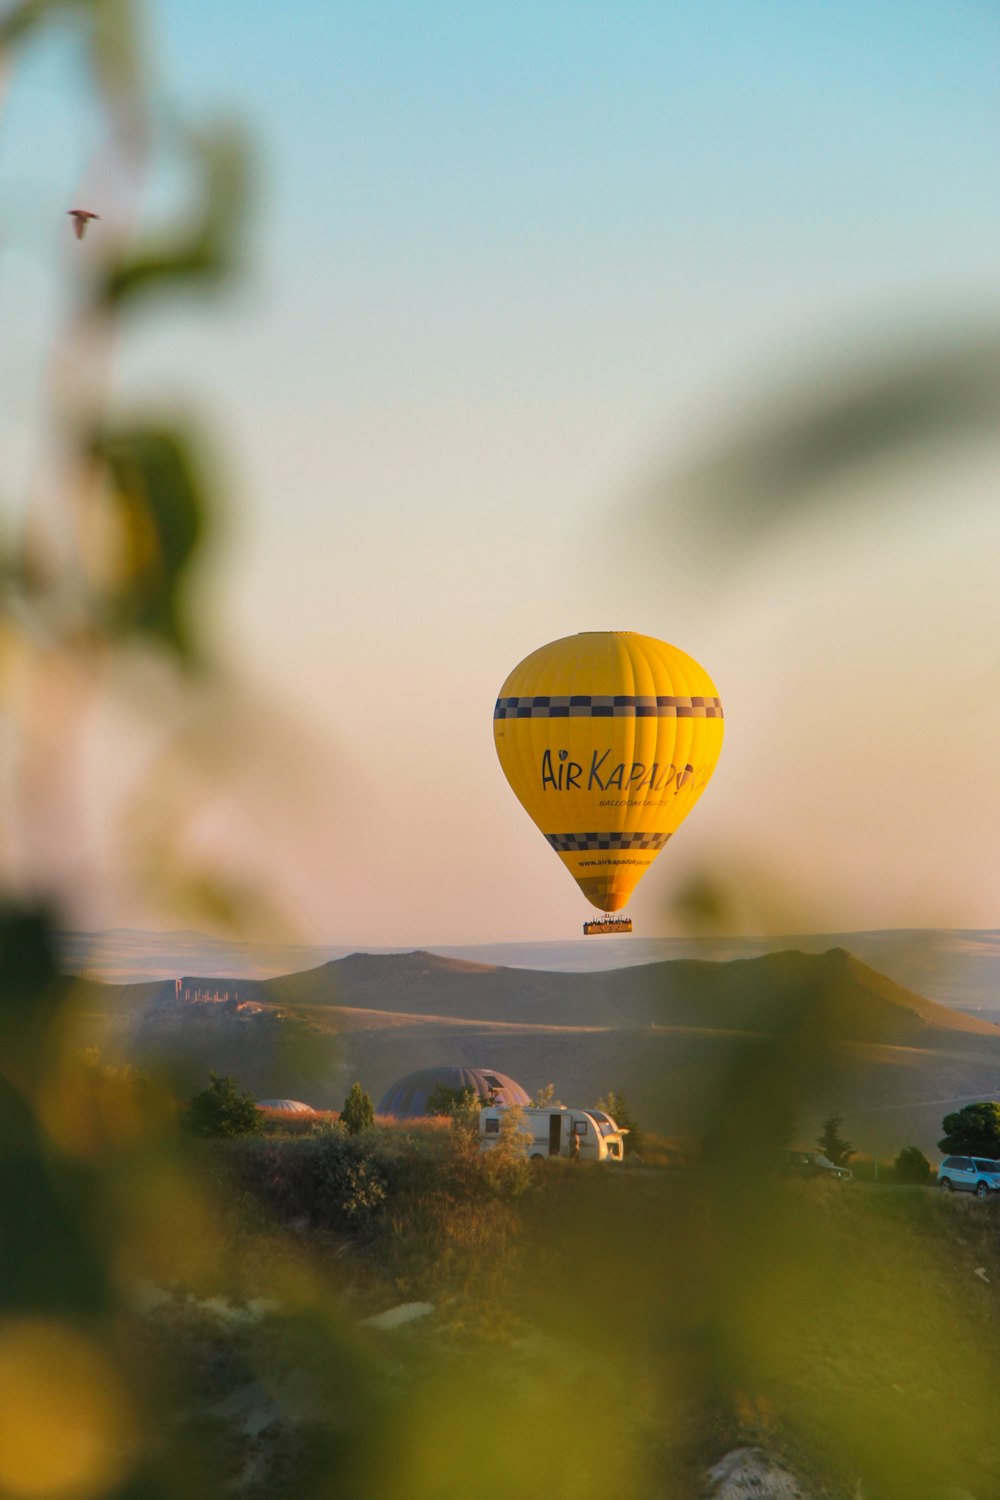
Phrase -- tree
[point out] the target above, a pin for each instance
(444, 1100)
(358, 1112)
(911, 1165)
(544, 1097)
(972, 1131)
(505, 1165)
(223, 1109)
(615, 1105)
(831, 1142)
(464, 1111)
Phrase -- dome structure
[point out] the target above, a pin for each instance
(407, 1098)
(286, 1106)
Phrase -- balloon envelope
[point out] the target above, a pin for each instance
(407, 1098)
(608, 739)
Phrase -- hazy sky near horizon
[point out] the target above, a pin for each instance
(510, 266)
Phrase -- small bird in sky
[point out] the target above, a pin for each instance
(81, 218)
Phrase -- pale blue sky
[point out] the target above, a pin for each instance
(505, 259)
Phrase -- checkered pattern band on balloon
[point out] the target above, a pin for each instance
(569, 843)
(607, 706)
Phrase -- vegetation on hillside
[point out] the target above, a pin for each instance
(444, 1100)
(972, 1131)
(832, 1143)
(223, 1109)
(911, 1166)
(358, 1112)
(820, 1359)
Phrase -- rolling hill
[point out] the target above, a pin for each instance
(957, 967)
(667, 1034)
(745, 994)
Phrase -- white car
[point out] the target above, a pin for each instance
(969, 1174)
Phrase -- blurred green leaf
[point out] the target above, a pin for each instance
(785, 460)
(114, 47)
(31, 988)
(206, 250)
(161, 496)
(21, 19)
(704, 904)
(44, 1262)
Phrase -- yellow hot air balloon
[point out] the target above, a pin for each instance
(608, 739)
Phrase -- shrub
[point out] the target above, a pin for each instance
(358, 1112)
(223, 1109)
(333, 1181)
(911, 1165)
(345, 1186)
(444, 1100)
(464, 1113)
(505, 1165)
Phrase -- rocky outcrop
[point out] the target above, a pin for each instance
(751, 1474)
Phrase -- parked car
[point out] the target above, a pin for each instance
(969, 1174)
(813, 1164)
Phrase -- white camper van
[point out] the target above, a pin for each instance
(552, 1129)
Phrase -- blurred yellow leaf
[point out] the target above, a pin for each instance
(66, 1430)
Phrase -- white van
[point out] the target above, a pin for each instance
(552, 1129)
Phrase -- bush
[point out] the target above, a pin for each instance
(223, 1109)
(358, 1112)
(505, 1165)
(334, 1180)
(911, 1165)
(464, 1114)
(444, 1100)
(345, 1184)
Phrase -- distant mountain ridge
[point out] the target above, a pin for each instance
(663, 1033)
(958, 968)
(745, 994)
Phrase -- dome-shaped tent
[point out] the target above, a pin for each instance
(286, 1106)
(408, 1096)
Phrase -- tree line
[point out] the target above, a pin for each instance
(971, 1131)
(226, 1109)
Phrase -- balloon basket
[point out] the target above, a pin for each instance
(607, 926)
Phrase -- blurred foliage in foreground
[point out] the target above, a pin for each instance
(181, 1318)
(217, 1290)
(935, 393)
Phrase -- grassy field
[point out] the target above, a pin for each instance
(594, 1331)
